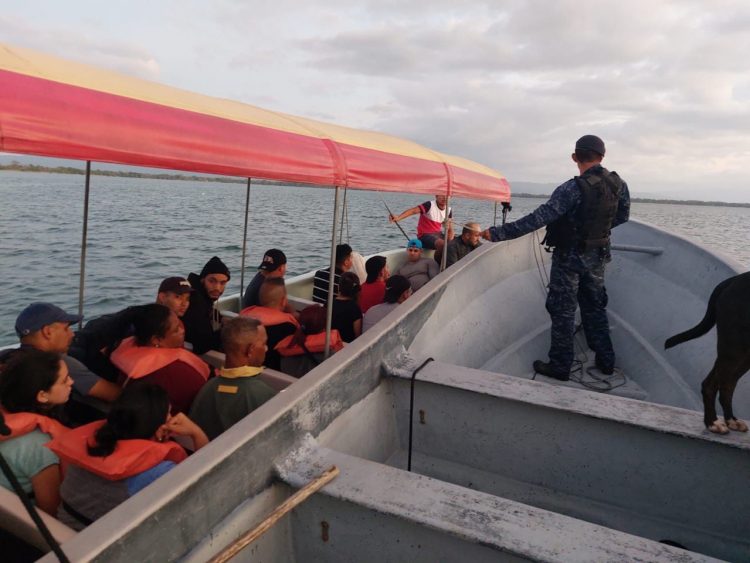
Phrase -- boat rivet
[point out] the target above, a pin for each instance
(324, 530)
(421, 417)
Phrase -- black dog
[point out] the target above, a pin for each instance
(728, 309)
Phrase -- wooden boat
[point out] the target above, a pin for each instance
(502, 467)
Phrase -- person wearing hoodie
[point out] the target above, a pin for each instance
(202, 320)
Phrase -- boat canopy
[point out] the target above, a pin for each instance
(57, 108)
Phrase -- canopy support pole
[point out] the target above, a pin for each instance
(244, 244)
(84, 237)
(344, 219)
(494, 219)
(331, 274)
(444, 255)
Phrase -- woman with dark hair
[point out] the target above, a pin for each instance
(110, 461)
(33, 385)
(155, 354)
(373, 290)
(347, 316)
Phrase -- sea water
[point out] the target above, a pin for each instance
(143, 230)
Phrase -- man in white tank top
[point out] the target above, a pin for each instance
(431, 217)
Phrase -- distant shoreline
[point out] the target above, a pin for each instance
(17, 167)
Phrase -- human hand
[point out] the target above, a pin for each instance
(179, 425)
(486, 234)
(391, 218)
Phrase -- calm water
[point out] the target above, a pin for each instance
(141, 231)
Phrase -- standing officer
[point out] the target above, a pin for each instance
(579, 216)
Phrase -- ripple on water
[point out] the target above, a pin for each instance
(141, 231)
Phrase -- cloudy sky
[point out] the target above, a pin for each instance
(510, 83)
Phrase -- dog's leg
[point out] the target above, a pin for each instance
(709, 389)
(726, 392)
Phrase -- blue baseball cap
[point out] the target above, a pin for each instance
(414, 243)
(38, 315)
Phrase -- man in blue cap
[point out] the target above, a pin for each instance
(579, 216)
(46, 327)
(417, 269)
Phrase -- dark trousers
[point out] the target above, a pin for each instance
(578, 280)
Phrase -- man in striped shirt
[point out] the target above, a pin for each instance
(320, 282)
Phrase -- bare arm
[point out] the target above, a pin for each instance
(105, 390)
(181, 425)
(46, 487)
(404, 215)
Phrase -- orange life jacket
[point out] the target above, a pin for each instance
(138, 361)
(313, 342)
(21, 423)
(268, 316)
(130, 457)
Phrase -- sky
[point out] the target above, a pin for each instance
(511, 84)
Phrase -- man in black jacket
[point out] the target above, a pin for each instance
(202, 320)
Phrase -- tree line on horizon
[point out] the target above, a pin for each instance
(18, 167)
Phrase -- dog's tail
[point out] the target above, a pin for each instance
(709, 320)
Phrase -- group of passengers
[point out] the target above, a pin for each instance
(91, 416)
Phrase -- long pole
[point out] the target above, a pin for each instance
(494, 219)
(296, 499)
(331, 273)
(343, 219)
(444, 255)
(244, 242)
(84, 237)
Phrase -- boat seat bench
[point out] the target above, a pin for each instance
(424, 519)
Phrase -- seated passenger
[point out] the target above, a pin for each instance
(156, 355)
(273, 315)
(175, 293)
(95, 342)
(33, 386)
(45, 327)
(202, 319)
(236, 391)
(272, 266)
(109, 461)
(373, 290)
(305, 349)
(321, 280)
(462, 245)
(416, 269)
(397, 290)
(347, 316)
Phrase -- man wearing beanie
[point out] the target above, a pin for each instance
(202, 320)
(579, 216)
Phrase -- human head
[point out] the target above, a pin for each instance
(175, 293)
(272, 294)
(589, 149)
(137, 414)
(414, 249)
(344, 257)
(245, 338)
(471, 233)
(273, 264)
(441, 201)
(156, 325)
(397, 289)
(34, 381)
(376, 268)
(214, 277)
(46, 327)
(349, 285)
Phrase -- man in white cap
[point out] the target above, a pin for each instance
(463, 244)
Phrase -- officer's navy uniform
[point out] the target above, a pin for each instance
(579, 214)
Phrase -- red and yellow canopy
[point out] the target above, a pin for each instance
(53, 107)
